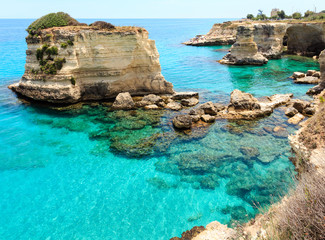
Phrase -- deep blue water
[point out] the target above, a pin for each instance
(84, 173)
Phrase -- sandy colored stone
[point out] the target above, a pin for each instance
(296, 119)
(102, 63)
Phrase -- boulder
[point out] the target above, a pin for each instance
(190, 102)
(300, 105)
(297, 75)
(195, 118)
(243, 101)
(185, 95)
(152, 99)
(316, 74)
(208, 118)
(123, 101)
(296, 119)
(219, 106)
(310, 72)
(208, 108)
(291, 111)
(309, 111)
(307, 80)
(174, 106)
(197, 111)
(151, 107)
(182, 122)
(280, 132)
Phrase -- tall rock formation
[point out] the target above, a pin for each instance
(75, 63)
(245, 50)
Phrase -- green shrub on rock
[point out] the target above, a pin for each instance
(59, 19)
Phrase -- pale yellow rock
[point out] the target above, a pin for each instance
(296, 119)
(103, 63)
(216, 231)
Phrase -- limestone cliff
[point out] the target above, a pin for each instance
(245, 50)
(75, 63)
(220, 34)
(271, 38)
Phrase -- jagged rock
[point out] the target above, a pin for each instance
(197, 111)
(297, 75)
(185, 95)
(152, 99)
(208, 118)
(243, 101)
(316, 74)
(190, 102)
(174, 106)
(190, 234)
(310, 72)
(123, 101)
(296, 119)
(151, 107)
(195, 118)
(309, 111)
(291, 111)
(219, 106)
(128, 62)
(250, 152)
(300, 105)
(307, 80)
(208, 108)
(182, 122)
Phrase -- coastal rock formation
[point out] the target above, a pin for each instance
(245, 50)
(220, 34)
(123, 101)
(271, 39)
(321, 86)
(76, 63)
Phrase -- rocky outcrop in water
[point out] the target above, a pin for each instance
(321, 86)
(220, 34)
(271, 40)
(76, 63)
(245, 50)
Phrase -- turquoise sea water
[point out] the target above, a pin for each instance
(87, 173)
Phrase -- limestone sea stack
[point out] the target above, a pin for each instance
(245, 50)
(76, 63)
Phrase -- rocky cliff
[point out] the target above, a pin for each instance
(271, 39)
(245, 50)
(75, 63)
(220, 34)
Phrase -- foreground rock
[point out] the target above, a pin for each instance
(90, 63)
(308, 80)
(123, 101)
(182, 122)
(213, 231)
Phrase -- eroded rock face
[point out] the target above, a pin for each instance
(245, 50)
(220, 34)
(96, 64)
(182, 122)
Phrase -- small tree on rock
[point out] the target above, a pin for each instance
(296, 15)
(250, 16)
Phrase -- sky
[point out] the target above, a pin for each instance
(153, 8)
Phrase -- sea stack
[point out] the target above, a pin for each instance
(77, 62)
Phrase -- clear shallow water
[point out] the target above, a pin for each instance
(88, 173)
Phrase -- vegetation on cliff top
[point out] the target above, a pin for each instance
(280, 15)
(58, 19)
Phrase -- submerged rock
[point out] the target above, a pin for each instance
(250, 152)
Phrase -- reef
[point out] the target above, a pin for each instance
(67, 64)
